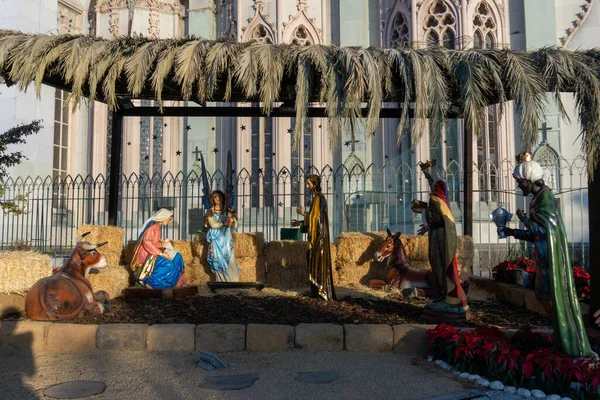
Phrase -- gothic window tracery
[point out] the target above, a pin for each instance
(484, 27)
(548, 159)
(260, 34)
(399, 36)
(301, 36)
(440, 26)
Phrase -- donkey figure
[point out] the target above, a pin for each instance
(399, 272)
(68, 294)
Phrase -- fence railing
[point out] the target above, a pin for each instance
(360, 198)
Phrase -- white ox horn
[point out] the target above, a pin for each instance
(90, 247)
(80, 238)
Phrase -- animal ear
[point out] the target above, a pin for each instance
(389, 232)
(396, 235)
(82, 253)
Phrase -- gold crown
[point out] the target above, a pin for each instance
(524, 156)
(427, 164)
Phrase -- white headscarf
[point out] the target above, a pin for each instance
(529, 170)
(436, 172)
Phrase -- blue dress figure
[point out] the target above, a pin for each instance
(220, 222)
(161, 267)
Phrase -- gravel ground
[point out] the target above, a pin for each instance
(145, 375)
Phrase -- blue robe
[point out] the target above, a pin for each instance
(166, 272)
(220, 249)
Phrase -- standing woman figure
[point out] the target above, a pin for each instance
(220, 222)
(316, 224)
(160, 269)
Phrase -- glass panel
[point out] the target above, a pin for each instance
(57, 109)
(477, 41)
(63, 159)
(449, 39)
(65, 113)
(56, 158)
(57, 133)
(432, 39)
(489, 41)
(65, 135)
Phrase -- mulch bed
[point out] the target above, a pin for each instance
(242, 309)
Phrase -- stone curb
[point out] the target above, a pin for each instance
(410, 339)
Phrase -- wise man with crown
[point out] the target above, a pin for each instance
(554, 285)
(439, 224)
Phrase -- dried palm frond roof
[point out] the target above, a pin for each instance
(434, 83)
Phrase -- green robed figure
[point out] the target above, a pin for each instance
(554, 279)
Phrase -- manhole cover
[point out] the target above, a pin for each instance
(229, 382)
(75, 389)
(318, 377)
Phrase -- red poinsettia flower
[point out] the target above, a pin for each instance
(580, 272)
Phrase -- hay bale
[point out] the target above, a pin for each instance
(185, 248)
(248, 244)
(416, 246)
(128, 252)
(357, 248)
(421, 265)
(199, 246)
(112, 279)
(287, 266)
(197, 272)
(115, 237)
(20, 270)
(252, 269)
(465, 253)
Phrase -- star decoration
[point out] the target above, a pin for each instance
(146, 158)
(280, 204)
(188, 127)
(357, 196)
(178, 152)
(154, 137)
(212, 129)
(386, 156)
(140, 121)
(260, 170)
(445, 141)
(283, 172)
(128, 143)
(165, 125)
(164, 161)
(243, 127)
(389, 185)
(273, 153)
(247, 151)
(320, 126)
(290, 130)
(216, 150)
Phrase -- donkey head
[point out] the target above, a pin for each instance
(389, 246)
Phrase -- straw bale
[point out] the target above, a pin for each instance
(287, 266)
(185, 248)
(465, 250)
(128, 252)
(420, 265)
(286, 252)
(115, 237)
(252, 269)
(248, 244)
(197, 272)
(416, 246)
(112, 279)
(357, 247)
(200, 246)
(290, 276)
(20, 270)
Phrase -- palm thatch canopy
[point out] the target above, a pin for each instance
(351, 82)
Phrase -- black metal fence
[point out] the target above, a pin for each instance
(359, 198)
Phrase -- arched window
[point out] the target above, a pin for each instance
(399, 35)
(260, 34)
(440, 22)
(548, 159)
(484, 26)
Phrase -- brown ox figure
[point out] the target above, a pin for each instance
(400, 273)
(68, 293)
